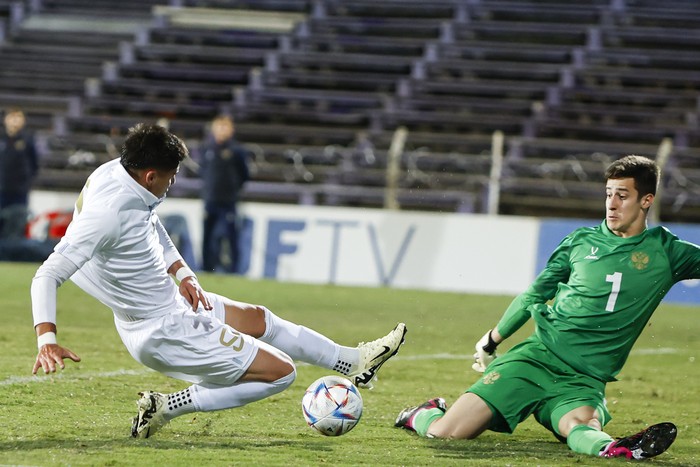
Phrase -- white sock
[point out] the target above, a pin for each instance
(207, 397)
(179, 403)
(306, 345)
(348, 360)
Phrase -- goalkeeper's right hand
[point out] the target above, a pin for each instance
(485, 352)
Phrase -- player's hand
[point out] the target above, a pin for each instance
(52, 355)
(485, 353)
(194, 294)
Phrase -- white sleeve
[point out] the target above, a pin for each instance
(170, 253)
(90, 231)
(50, 275)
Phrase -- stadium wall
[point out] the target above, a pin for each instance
(370, 247)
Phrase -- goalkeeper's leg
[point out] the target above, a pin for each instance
(468, 417)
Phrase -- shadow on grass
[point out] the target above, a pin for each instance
(210, 443)
(445, 452)
(509, 450)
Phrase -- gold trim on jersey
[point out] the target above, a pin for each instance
(79, 202)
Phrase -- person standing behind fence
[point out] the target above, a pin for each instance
(18, 160)
(18, 166)
(224, 171)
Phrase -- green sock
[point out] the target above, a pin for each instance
(586, 440)
(424, 418)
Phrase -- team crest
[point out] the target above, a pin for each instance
(640, 260)
(492, 377)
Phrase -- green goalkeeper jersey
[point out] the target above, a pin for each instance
(604, 290)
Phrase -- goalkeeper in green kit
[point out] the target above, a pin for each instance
(604, 283)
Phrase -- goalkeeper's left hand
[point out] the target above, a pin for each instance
(485, 352)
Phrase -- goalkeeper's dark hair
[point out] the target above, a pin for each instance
(152, 147)
(643, 170)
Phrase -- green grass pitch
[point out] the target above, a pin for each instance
(82, 416)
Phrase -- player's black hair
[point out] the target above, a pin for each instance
(643, 170)
(152, 147)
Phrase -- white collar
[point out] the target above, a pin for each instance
(150, 200)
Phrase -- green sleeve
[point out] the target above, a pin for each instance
(543, 289)
(685, 260)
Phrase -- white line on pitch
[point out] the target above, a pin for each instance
(71, 376)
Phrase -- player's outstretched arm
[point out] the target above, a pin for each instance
(50, 275)
(50, 353)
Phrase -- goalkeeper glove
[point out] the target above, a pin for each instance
(485, 352)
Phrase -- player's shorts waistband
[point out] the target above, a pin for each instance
(179, 305)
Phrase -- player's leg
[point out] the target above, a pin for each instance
(508, 392)
(299, 342)
(210, 252)
(306, 345)
(231, 224)
(269, 373)
(229, 368)
(582, 428)
(468, 417)
(574, 408)
(578, 414)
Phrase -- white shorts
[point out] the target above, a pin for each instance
(192, 346)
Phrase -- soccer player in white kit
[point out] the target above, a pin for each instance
(117, 250)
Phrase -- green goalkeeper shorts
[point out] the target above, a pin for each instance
(530, 380)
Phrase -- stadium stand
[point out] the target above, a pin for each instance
(319, 87)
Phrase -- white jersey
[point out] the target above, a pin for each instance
(116, 250)
(120, 247)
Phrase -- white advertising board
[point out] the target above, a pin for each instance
(370, 247)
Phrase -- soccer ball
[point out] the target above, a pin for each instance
(332, 405)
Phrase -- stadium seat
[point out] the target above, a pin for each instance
(318, 87)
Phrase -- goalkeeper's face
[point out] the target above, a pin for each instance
(625, 210)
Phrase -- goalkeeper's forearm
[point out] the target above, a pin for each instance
(496, 336)
(515, 316)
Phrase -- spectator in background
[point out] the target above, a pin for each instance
(18, 165)
(224, 171)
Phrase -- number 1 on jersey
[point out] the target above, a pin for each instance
(616, 279)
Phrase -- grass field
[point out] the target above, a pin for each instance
(82, 415)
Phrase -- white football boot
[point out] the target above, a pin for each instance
(374, 354)
(150, 419)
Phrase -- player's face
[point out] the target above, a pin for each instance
(625, 213)
(160, 181)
